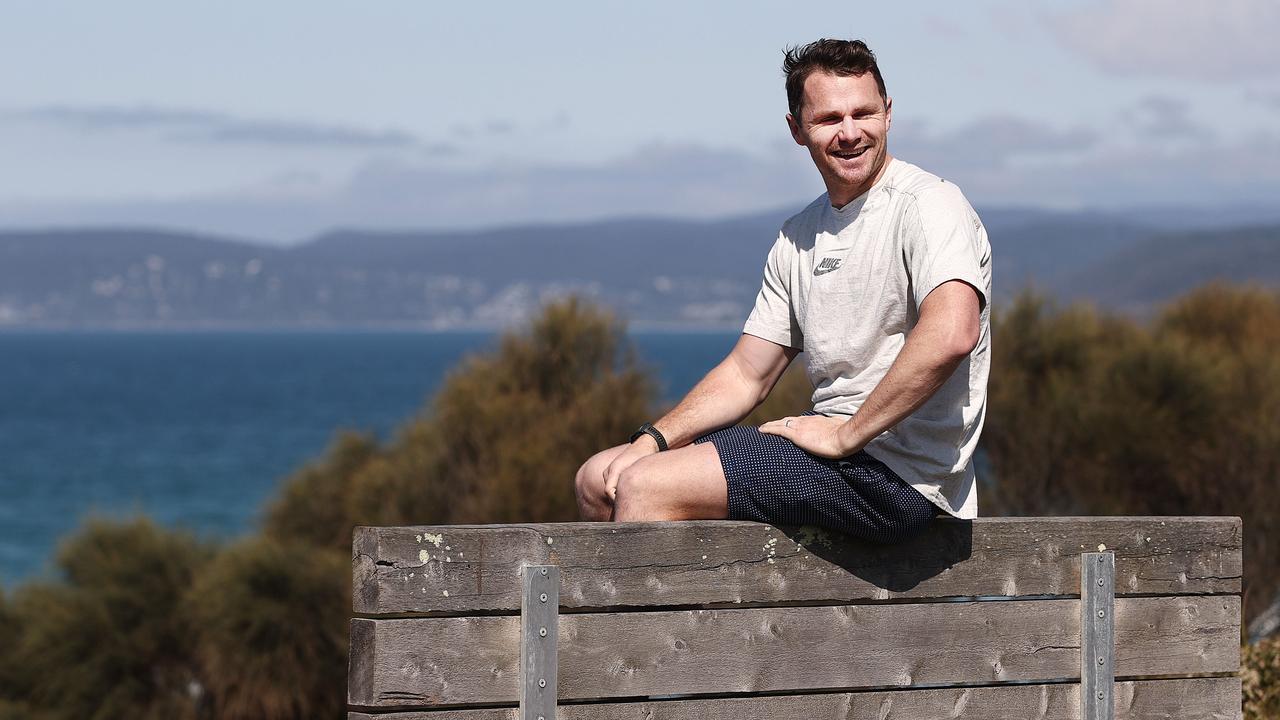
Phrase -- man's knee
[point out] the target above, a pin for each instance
(589, 482)
(639, 493)
(582, 481)
(588, 487)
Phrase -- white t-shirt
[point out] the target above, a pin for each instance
(845, 285)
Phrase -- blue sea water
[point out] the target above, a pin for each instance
(197, 429)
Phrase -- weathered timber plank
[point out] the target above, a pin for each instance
(464, 568)
(1192, 699)
(475, 660)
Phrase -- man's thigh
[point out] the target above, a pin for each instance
(686, 483)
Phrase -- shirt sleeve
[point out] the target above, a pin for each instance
(946, 241)
(773, 317)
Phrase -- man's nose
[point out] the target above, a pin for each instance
(848, 130)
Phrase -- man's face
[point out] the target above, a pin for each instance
(845, 124)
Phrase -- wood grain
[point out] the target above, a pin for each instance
(475, 660)
(462, 569)
(1191, 699)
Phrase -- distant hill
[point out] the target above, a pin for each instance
(1169, 264)
(657, 273)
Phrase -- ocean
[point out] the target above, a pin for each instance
(198, 429)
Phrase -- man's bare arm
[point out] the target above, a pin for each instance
(729, 392)
(726, 395)
(946, 332)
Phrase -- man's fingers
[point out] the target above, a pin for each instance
(781, 426)
(610, 483)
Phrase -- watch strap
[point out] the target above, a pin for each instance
(651, 431)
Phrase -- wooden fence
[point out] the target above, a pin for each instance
(1061, 617)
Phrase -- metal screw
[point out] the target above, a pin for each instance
(1101, 662)
(543, 597)
(544, 572)
(1102, 613)
(1099, 694)
(542, 632)
(1099, 582)
(542, 683)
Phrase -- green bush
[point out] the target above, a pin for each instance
(109, 640)
(315, 505)
(500, 442)
(269, 624)
(1088, 413)
(1260, 679)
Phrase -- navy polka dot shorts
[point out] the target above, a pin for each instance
(771, 480)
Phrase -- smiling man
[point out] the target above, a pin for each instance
(884, 280)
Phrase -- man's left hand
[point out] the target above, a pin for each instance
(817, 434)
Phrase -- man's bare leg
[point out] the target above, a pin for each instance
(593, 503)
(682, 484)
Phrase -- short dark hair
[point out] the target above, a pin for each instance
(839, 57)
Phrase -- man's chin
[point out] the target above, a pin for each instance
(854, 180)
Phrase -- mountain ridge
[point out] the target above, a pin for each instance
(659, 272)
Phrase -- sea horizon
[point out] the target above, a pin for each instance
(198, 429)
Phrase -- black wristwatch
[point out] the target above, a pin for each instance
(651, 431)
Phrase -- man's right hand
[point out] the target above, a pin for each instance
(642, 447)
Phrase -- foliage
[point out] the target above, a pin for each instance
(792, 395)
(1260, 679)
(1088, 414)
(501, 442)
(515, 426)
(270, 626)
(1097, 415)
(109, 640)
(314, 505)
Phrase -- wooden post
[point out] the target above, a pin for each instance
(539, 631)
(1097, 635)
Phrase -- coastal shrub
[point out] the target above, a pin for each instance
(515, 425)
(1094, 414)
(1041, 403)
(107, 639)
(792, 395)
(11, 707)
(500, 442)
(314, 504)
(1089, 413)
(269, 625)
(1260, 679)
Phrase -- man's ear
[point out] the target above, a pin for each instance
(794, 127)
(888, 113)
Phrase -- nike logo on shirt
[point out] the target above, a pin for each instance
(827, 265)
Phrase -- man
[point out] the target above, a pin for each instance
(885, 281)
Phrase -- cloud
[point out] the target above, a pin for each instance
(997, 161)
(943, 27)
(282, 133)
(1164, 117)
(417, 191)
(1009, 160)
(1266, 99)
(194, 125)
(991, 142)
(657, 179)
(111, 117)
(1208, 41)
(1242, 171)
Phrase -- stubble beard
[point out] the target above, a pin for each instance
(850, 183)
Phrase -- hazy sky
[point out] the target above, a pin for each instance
(277, 120)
